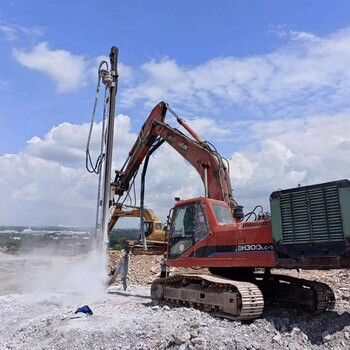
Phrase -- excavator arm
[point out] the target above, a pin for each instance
(208, 163)
(130, 212)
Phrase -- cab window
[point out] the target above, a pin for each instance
(148, 228)
(188, 227)
(222, 214)
(201, 227)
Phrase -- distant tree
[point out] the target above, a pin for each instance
(119, 236)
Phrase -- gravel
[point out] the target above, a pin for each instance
(128, 320)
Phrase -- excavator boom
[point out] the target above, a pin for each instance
(212, 168)
(138, 152)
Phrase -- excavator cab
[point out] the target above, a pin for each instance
(188, 226)
(148, 228)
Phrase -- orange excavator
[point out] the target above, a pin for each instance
(308, 228)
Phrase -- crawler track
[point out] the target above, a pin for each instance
(151, 250)
(243, 300)
(238, 300)
(306, 295)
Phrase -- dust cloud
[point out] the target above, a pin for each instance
(49, 271)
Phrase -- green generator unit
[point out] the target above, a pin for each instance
(311, 225)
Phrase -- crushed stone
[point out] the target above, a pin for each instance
(128, 319)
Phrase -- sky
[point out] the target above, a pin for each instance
(266, 82)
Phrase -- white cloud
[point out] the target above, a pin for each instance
(47, 183)
(66, 69)
(9, 32)
(210, 128)
(169, 176)
(309, 74)
(3, 85)
(66, 143)
(287, 153)
(30, 192)
(12, 32)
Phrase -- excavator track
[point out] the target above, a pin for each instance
(225, 297)
(306, 295)
(151, 250)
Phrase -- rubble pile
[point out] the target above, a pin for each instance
(143, 269)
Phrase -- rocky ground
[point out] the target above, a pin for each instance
(128, 320)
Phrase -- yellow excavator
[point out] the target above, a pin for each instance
(155, 234)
